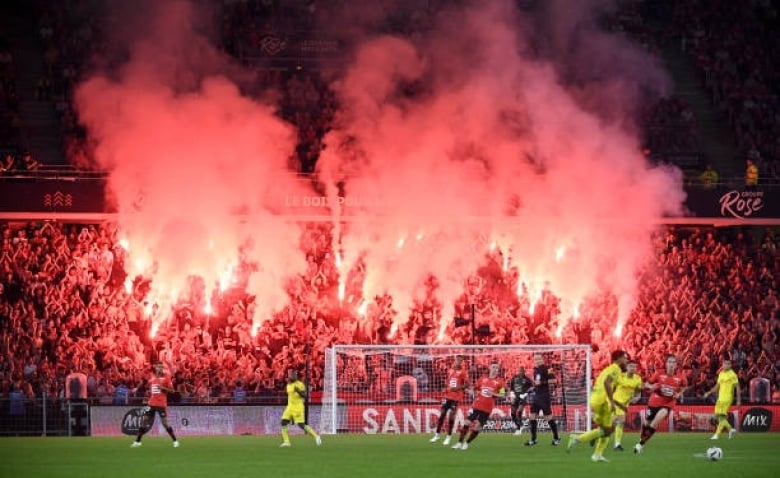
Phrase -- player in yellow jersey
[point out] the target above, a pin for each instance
(727, 387)
(295, 410)
(602, 406)
(627, 391)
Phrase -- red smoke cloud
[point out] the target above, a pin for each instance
(492, 126)
(187, 153)
(492, 147)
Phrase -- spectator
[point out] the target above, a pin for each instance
(709, 178)
(751, 173)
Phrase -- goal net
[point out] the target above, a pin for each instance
(399, 389)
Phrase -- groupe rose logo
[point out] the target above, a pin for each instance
(741, 204)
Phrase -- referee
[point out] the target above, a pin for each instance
(541, 401)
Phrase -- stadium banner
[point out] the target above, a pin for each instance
(53, 195)
(397, 419)
(194, 420)
(700, 418)
(414, 418)
(734, 203)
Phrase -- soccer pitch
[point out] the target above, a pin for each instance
(381, 456)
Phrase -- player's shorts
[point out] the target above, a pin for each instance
(519, 402)
(448, 404)
(543, 403)
(602, 414)
(722, 408)
(150, 411)
(619, 412)
(653, 411)
(478, 415)
(294, 414)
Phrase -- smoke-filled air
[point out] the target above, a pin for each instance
(481, 142)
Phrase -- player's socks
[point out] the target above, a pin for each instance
(591, 435)
(618, 434)
(646, 435)
(169, 429)
(554, 428)
(723, 424)
(141, 432)
(440, 423)
(463, 432)
(309, 431)
(601, 445)
(472, 436)
(451, 424)
(285, 435)
(534, 425)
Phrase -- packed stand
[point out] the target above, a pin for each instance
(735, 45)
(64, 306)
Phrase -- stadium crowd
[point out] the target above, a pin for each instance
(732, 45)
(64, 307)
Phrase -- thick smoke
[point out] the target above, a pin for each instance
(477, 133)
(187, 154)
(467, 132)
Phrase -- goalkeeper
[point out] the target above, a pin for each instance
(519, 387)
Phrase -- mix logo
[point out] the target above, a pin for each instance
(131, 422)
(757, 420)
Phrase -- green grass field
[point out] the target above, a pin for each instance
(490, 456)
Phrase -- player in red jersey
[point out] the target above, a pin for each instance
(160, 386)
(666, 388)
(457, 382)
(486, 390)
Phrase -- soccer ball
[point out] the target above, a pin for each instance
(714, 453)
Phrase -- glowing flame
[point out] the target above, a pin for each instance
(342, 289)
(506, 262)
(493, 246)
(400, 243)
(211, 243)
(618, 330)
(153, 331)
(560, 253)
(139, 264)
(576, 312)
(363, 308)
(128, 285)
(536, 295)
(255, 326)
(559, 331)
(442, 328)
(148, 309)
(419, 236)
(124, 243)
(208, 309)
(393, 330)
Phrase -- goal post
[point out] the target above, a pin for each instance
(399, 388)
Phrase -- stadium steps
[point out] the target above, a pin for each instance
(40, 129)
(717, 142)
